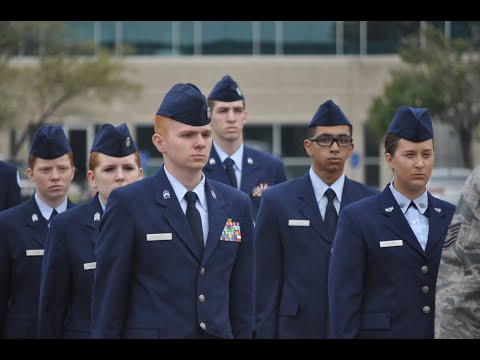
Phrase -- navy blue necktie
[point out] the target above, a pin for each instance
(330, 214)
(193, 217)
(54, 213)
(230, 171)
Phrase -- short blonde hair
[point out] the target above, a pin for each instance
(32, 159)
(94, 160)
(161, 124)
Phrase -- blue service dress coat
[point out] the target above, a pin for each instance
(23, 231)
(259, 171)
(292, 254)
(10, 194)
(152, 279)
(68, 272)
(381, 282)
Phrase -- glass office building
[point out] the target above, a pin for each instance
(194, 38)
(274, 39)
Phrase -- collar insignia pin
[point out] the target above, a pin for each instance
(166, 194)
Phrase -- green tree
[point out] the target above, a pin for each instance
(443, 76)
(34, 92)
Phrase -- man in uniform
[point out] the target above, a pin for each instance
(175, 250)
(231, 162)
(293, 237)
(457, 303)
(24, 230)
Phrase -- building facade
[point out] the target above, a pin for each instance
(286, 69)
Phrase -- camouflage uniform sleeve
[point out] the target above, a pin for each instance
(457, 303)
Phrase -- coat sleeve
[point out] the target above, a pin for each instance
(280, 173)
(114, 255)
(14, 191)
(5, 264)
(268, 269)
(346, 277)
(242, 278)
(54, 284)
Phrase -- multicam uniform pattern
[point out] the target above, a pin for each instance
(457, 313)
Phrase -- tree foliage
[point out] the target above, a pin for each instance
(443, 76)
(33, 93)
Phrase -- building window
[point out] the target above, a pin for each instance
(292, 140)
(383, 37)
(144, 141)
(267, 37)
(148, 37)
(309, 37)
(82, 37)
(227, 37)
(351, 37)
(186, 38)
(259, 137)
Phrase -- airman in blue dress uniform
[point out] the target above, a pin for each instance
(292, 243)
(24, 230)
(387, 248)
(168, 267)
(69, 260)
(254, 170)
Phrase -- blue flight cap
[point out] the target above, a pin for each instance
(185, 103)
(49, 142)
(329, 114)
(114, 141)
(412, 124)
(226, 90)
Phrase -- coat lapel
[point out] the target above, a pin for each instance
(217, 218)
(347, 194)
(165, 196)
(214, 168)
(37, 224)
(307, 203)
(93, 216)
(437, 224)
(397, 222)
(249, 166)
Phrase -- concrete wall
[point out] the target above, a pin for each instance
(277, 89)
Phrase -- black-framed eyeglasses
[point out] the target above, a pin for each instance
(327, 140)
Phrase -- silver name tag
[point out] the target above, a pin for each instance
(298, 222)
(391, 243)
(159, 237)
(89, 266)
(36, 252)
